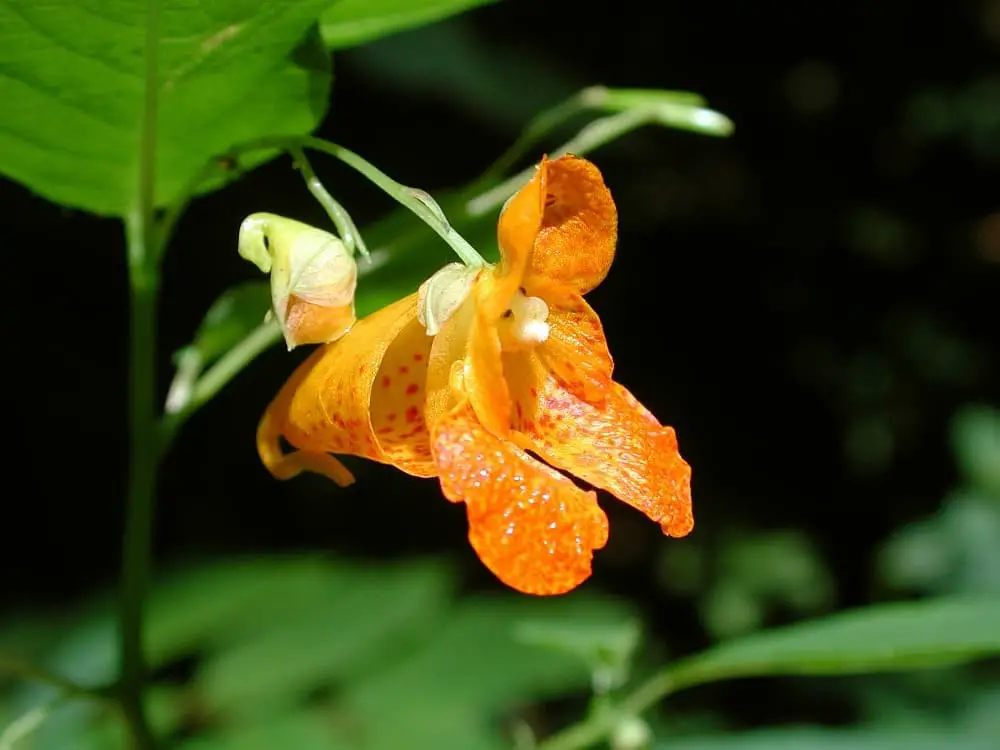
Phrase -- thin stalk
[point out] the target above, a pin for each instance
(218, 375)
(338, 214)
(419, 202)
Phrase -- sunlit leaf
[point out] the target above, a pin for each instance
(73, 81)
(351, 22)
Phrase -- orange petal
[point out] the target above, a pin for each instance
(530, 525)
(362, 395)
(484, 378)
(577, 351)
(617, 446)
(576, 243)
(520, 222)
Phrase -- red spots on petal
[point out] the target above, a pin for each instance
(412, 414)
(386, 381)
(418, 358)
(390, 417)
(403, 369)
(412, 388)
(533, 391)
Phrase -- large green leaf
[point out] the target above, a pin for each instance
(72, 80)
(888, 637)
(349, 23)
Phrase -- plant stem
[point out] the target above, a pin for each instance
(138, 532)
(592, 136)
(603, 723)
(143, 240)
(540, 126)
(338, 214)
(260, 339)
(419, 202)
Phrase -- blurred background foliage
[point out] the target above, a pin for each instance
(812, 303)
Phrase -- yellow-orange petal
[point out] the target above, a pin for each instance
(576, 351)
(484, 382)
(618, 446)
(575, 245)
(518, 227)
(531, 526)
(362, 395)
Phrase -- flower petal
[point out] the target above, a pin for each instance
(530, 525)
(577, 351)
(470, 340)
(618, 446)
(576, 242)
(517, 229)
(362, 395)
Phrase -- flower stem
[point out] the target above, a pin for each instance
(144, 250)
(338, 215)
(417, 201)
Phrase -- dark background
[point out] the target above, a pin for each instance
(807, 302)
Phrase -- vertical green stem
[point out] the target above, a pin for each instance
(143, 262)
(143, 431)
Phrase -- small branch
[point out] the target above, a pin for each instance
(598, 133)
(225, 369)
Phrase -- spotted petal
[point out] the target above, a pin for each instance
(362, 395)
(530, 525)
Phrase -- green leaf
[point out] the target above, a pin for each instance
(810, 738)
(887, 637)
(606, 648)
(72, 75)
(349, 23)
(208, 607)
(365, 614)
(486, 664)
(976, 438)
(299, 731)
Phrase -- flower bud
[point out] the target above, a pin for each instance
(313, 277)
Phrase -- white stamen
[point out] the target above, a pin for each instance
(533, 332)
(530, 314)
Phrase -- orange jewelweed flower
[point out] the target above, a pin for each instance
(518, 362)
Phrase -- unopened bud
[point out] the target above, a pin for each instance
(313, 277)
